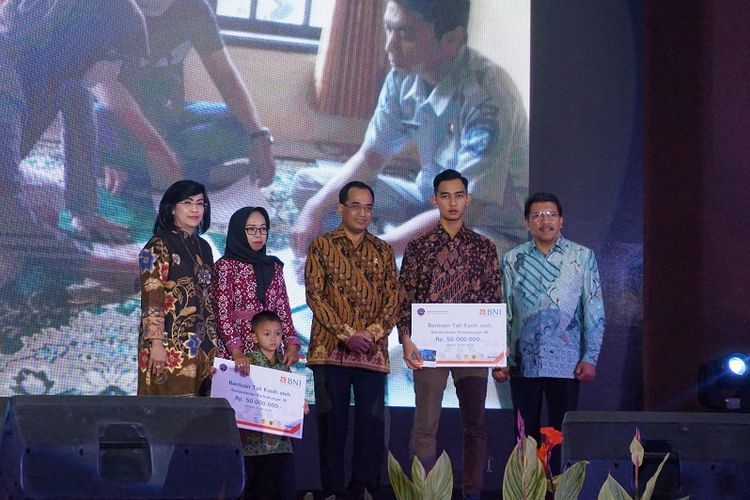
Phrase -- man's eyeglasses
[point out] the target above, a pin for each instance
(356, 207)
(252, 230)
(190, 204)
(547, 214)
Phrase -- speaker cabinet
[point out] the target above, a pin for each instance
(120, 447)
(709, 452)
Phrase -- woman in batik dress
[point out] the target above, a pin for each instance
(177, 334)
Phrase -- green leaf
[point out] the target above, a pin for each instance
(402, 487)
(612, 490)
(439, 482)
(512, 476)
(524, 477)
(417, 474)
(570, 482)
(636, 450)
(652, 482)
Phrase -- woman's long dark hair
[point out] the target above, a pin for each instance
(177, 192)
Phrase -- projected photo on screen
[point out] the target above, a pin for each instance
(105, 104)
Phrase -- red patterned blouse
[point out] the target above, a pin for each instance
(236, 302)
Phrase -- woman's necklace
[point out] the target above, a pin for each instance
(202, 271)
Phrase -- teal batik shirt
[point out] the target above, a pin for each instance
(259, 443)
(555, 308)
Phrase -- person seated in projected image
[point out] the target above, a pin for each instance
(195, 138)
(51, 52)
(458, 108)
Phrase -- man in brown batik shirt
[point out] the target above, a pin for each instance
(352, 290)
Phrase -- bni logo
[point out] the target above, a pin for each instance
(290, 381)
(420, 311)
(490, 312)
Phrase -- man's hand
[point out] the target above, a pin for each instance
(585, 372)
(359, 343)
(114, 179)
(262, 162)
(163, 166)
(291, 355)
(307, 227)
(97, 228)
(501, 374)
(411, 353)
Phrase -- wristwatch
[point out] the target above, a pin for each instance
(263, 133)
(163, 342)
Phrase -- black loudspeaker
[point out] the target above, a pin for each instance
(709, 452)
(120, 447)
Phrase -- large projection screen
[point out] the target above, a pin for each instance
(69, 323)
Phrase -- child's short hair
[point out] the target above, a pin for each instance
(264, 316)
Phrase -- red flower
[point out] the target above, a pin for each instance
(174, 359)
(168, 302)
(164, 271)
(551, 437)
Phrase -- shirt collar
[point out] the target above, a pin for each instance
(339, 233)
(440, 96)
(461, 235)
(561, 245)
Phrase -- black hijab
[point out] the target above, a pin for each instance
(238, 248)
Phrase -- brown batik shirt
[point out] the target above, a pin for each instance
(350, 289)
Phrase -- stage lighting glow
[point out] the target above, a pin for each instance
(724, 383)
(737, 365)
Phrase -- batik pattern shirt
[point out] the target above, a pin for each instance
(350, 289)
(259, 443)
(439, 269)
(555, 309)
(235, 296)
(176, 285)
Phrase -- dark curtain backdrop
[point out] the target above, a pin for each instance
(696, 193)
(587, 147)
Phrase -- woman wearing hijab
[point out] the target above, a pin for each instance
(249, 281)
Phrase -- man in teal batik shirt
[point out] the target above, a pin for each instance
(555, 316)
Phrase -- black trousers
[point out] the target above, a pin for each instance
(270, 477)
(561, 396)
(333, 387)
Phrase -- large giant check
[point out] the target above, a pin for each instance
(460, 334)
(267, 400)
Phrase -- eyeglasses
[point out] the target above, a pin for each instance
(356, 207)
(190, 204)
(547, 214)
(252, 230)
